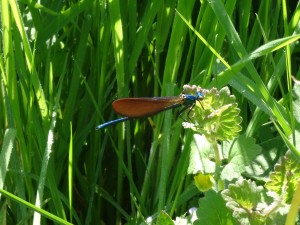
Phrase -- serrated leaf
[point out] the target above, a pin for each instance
(239, 153)
(216, 116)
(283, 180)
(243, 199)
(212, 210)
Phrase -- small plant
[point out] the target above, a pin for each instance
(218, 168)
(216, 116)
(216, 119)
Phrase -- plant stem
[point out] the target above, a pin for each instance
(219, 182)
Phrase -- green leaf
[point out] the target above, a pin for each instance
(243, 198)
(164, 219)
(212, 210)
(265, 161)
(6, 152)
(283, 180)
(200, 156)
(251, 204)
(239, 153)
(216, 116)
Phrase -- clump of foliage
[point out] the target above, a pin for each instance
(216, 115)
(218, 163)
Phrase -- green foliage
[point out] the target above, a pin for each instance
(250, 203)
(62, 64)
(212, 210)
(243, 199)
(164, 219)
(236, 156)
(239, 154)
(217, 115)
(284, 180)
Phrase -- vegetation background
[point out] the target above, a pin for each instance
(64, 62)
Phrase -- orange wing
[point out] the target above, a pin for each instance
(143, 107)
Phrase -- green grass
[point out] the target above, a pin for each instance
(63, 63)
